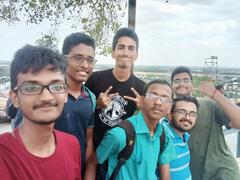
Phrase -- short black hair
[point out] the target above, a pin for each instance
(180, 69)
(125, 32)
(75, 39)
(157, 81)
(34, 59)
(186, 99)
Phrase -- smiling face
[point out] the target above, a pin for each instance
(182, 84)
(41, 108)
(80, 71)
(159, 106)
(125, 52)
(184, 116)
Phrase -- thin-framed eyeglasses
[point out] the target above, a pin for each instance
(184, 113)
(154, 97)
(35, 89)
(180, 81)
(79, 59)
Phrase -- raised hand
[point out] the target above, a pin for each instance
(136, 99)
(207, 88)
(105, 98)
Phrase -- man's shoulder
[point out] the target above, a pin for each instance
(98, 76)
(65, 138)
(205, 100)
(102, 72)
(8, 144)
(137, 79)
(206, 103)
(5, 137)
(91, 94)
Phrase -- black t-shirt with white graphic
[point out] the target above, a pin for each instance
(119, 108)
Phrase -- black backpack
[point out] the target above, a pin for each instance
(125, 154)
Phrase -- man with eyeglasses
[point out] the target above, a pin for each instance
(181, 120)
(77, 117)
(210, 156)
(35, 150)
(155, 104)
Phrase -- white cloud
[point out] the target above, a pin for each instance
(187, 32)
(180, 32)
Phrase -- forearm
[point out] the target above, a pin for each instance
(164, 171)
(229, 108)
(90, 147)
(90, 172)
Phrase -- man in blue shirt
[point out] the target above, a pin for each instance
(77, 117)
(182, 119)
(155, 104)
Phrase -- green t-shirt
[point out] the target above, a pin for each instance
(211, 158)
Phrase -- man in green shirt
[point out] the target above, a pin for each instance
(211, 158)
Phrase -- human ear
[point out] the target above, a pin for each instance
(14, 98)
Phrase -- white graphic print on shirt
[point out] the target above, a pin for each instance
(114, 111)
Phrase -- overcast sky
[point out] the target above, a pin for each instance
(180, 32)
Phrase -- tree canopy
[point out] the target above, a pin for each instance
(98, 18)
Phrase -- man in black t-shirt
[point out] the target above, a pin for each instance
(117, 90)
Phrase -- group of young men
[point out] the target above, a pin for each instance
(68, 116)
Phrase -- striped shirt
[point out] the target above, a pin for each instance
(179, 167)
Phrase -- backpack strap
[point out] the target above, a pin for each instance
(125, 154)
(162, 139)
(92, 96)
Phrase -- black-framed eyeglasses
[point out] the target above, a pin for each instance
(180, 81)
(154, 97)
(35, 89)
(184, 113)
(78, 58)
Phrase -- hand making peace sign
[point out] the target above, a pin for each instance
(137, 99)
(105, 98)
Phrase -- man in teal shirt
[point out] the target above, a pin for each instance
(156, 103)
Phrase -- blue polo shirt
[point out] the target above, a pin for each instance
(179, 167)
(76, 117)
(146, 154)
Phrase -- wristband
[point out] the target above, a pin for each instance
(214, 92)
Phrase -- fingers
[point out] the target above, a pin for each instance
(112, 95)
(104, 99)
(130, 98)
(207, 88)
(136, 98)
(108, 90)
(135, 92)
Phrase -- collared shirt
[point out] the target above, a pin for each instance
(211, 157)
(145, 156)
(179, 167)
(77, 116)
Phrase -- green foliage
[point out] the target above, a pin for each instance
(97, 18)
(48, 41)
